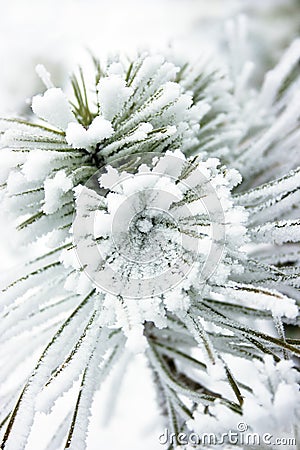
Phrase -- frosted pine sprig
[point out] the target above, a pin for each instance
(156, 237)
(192, 334)
(145, 105)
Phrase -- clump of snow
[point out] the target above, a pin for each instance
(53, 107)
(9, 161)
(176, 300)
(142, 131)
(112, 95)
(38, 164)
(111, 178)
(54, 189)
(16, 182)
(79, 137)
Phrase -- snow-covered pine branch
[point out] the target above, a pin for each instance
(172, 252)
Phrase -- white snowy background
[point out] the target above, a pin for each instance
(57, 33)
